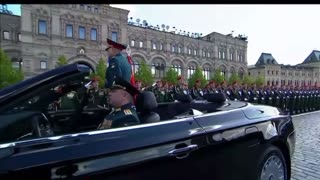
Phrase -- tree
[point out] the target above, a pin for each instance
(144, 74)
(218, 77)
(234, 77)
(260, 80)
(8, 74)
(62, 60)
(171, 76)
(248, 80)
(101, 72)
(197, 75)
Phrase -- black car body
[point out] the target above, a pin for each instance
(199, 139)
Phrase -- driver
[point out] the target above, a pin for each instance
(121, 99)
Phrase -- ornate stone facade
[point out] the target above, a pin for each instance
(304, 74)
(80, 31)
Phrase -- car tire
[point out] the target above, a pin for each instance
(272, 165)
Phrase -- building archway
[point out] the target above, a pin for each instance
(85, 60)
(158, 67)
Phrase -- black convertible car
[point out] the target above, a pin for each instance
(211, 139)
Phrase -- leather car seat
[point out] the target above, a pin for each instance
(146, 102)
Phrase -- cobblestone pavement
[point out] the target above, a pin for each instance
(306, 159)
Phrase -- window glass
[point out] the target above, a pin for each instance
(82, 33)
(43, 64)
(69, 30)
(42, 27)
(93, 34)
(114, 36)
(6, 35)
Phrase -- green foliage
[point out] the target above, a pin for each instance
(260, 80)
(171, 76)
(234, 77)
(144, 74)
(101, 72)
(218, 77)
(62, 60)
(8, 74)
(248, 80)
(197, 75)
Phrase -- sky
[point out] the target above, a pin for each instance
(289, 32)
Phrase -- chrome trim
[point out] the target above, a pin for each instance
(96, 132)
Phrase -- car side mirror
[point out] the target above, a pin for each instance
(6, 150)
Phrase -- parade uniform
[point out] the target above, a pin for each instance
(159, 94)
(125, 115)
(97, 98)
(70, 101)
(118, 66)
(197, 93)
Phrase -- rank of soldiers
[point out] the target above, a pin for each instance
(294, 100)
(287, 98)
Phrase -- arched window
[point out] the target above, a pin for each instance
(132, 43)
(177, 68)
(135, 66)
(241, 73)
(191, 69)
(231, 55)
(206, 72)
(154, 45)
(158, 68)
(223, 71)
(173, 48)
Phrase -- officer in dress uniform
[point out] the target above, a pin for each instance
(212, 87)
(196, 91)
(138, 85)
(178, 89)
(252, 94)
(70, 101)
(121, 99)
(118, 64)
(168, 93)
(158, 92)
(97, 97)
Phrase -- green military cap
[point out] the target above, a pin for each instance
(115, 45)
(120, 83)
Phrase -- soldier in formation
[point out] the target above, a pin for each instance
(290, 99)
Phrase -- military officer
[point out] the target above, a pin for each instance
(179, 89)
(138, 85)
(97, 97)
(70, 101)
(168, 97)
(121, 99)
(197, 92)
(118, 64)
(158, 92)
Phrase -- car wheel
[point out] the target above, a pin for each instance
(272, 165)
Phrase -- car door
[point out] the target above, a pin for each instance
(158, 150)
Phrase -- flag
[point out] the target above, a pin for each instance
(128, 50)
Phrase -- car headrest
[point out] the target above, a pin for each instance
(184, 98)
(146, 101)
(216, 98)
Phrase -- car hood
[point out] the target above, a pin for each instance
(24, 85)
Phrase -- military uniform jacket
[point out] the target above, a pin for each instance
(196, 93)
(124, 116)
(159, 94)
(179, 90)
(70, 101)
(118, 67)
(97, 98)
